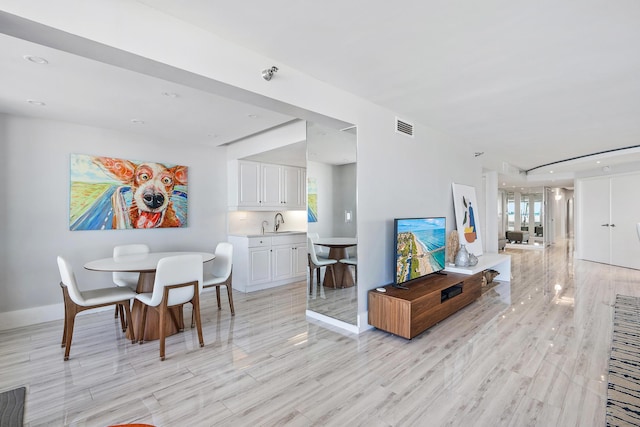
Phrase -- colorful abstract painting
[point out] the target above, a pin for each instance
(466, 209)
(312, 200)
(109, 193)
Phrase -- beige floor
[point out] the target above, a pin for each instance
(530, 353)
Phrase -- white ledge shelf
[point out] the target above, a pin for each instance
(499, 262)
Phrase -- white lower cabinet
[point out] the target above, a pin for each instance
(259, 265)
(266, 261)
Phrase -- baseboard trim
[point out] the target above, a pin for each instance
(347, 327)
(35, 315)
(31, 316)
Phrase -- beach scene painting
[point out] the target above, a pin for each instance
(420, 246)
(312, 200)
(466, 209)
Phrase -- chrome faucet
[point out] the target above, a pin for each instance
(277, 221)
(264, 224)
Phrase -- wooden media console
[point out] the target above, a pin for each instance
(409, 312)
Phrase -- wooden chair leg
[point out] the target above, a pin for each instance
(176, 321)
(195, 302)
(218, 297)
(123, 321)
(129, 324)
(230, 295)
(333, 275)
(144, 321)
(64, 327)
(162, 327)
(69, 333)
(117, 312)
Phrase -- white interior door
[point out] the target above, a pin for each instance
(594, 205)
(625, 213)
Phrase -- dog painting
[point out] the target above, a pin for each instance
(112, 193)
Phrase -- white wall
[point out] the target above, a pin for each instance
(34, 215)
(336, 193)
(345, 188)
(397, 176)
(323, 174)
(243, 223)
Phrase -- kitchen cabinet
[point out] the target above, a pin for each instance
(289, 260)
(262, 262)
(265, 186)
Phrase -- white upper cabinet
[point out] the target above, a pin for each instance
(248, 189)
(271, 186)
(264, 186)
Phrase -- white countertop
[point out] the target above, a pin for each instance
(269, 234)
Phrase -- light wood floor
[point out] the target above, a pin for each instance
(530, 353)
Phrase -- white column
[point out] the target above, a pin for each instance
(491, 211)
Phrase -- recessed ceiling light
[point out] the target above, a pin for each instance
(253, 116)
(170, 94)
(35, 59)
(34, 102)
(598, 162)
(550, 171)
(137, 121)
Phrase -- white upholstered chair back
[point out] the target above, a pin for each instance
(321, 252)
(69, 280)
(122, 278)
(176, 270)
(223, 261)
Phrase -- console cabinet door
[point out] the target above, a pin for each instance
(259, 265)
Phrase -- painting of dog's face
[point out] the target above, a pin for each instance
(140, 194)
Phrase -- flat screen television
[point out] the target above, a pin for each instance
(420, 247)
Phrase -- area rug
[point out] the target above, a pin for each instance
(623, 393)
(12, 407)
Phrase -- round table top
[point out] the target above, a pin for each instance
(139, 262)
(336, 242)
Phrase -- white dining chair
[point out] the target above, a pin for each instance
(76, 301)
(353, 261)
(178, 281)
(315, 265)
(321, 251)
(123, 278)
(221, 273)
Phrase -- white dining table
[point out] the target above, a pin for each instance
(146, 265)
(141, 263)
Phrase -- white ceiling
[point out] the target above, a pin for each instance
(81, 90)
(526, 83)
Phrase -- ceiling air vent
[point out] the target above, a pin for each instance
(404, 127)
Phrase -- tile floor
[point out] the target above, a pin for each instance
(532, 352)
